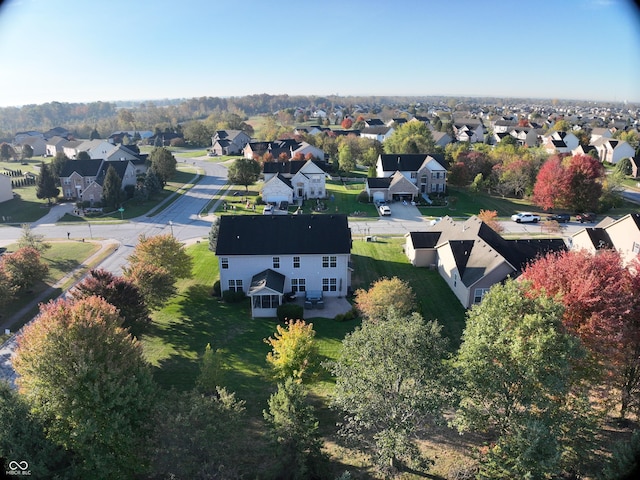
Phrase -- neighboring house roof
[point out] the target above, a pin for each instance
(374, 122)
(425, 239)
(283, 234)
(84, 168)
(407, 162)
(599, 238)
(378, 182)
(267, 279)
(119, 166)
(377, 130)
(290, 168)
(277, 178)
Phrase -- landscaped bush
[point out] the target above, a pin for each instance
(290, 311)
(259, 200)
(345, 317)
(216, 291)
(363, 197)
(233, 297)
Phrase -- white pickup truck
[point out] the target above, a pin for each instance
(525, 217)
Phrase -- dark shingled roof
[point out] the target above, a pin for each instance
(407, 162)
(283, 234)
(378, 182)
(599, 237)
(292, 167)
(267, 279)
(85, 168)
(425, 239)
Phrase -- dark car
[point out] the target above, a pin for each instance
(560, 217)
(586, 217)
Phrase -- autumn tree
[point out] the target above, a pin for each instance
(163, 251)
(7, 290)
(410, 137)
(155, 283)
(87, 379)
(27, 151)
(347, 123)
(294, 350)
(489, 217)
(163, 163)
(46, 185)
(383, 295)
(24, 268)
(551, 187)
(599, 294)
(119, 292)
(520, 381)
(585, 175)
(390, 376)
(293, 429)
(244, 171)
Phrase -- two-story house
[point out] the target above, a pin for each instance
(426, 171)
(267, 256)
(293, 180)
(229, 142)
(622, 235)
(612, 150)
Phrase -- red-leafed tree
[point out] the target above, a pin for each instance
(599, 294)
(459, 174)
(551, 187)
(523, 122)
(119, 292)
(347, 123)
(283, 157)
(298, 156)
(585, 175)
(23, 268)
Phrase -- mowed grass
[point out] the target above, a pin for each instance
(62, 258)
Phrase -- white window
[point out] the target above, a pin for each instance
(296, 262)
(479, 294)
(636, 248)
(235, 285)
(276, 262)
(298, 285)
(329, 261)
(329, 285)
(224, 263)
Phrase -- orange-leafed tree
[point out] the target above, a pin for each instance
(386, 294)
(23, 268)
(298, 156)
(489, 217)
(347, 123)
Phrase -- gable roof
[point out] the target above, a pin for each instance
(291, 167)
(407, 162)
(378, 182)
(84, 168)
(283, 234)
(277, 178)
(269, 279)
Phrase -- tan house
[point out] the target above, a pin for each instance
(395, 187)
(622, 234)
(471, 257)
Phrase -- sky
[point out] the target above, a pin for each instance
(82, 51)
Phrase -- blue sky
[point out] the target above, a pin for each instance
(79, 50)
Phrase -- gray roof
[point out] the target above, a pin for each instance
(267, 279)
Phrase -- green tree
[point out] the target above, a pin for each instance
(384, 295)
(197, 133)
(294, 350)
(83, 156)
(46, 184)
(155, 283)
(87, 379)
(22, 436)
(519, 378)
(390, 376)
(152, 183)
(624, 462)
(163, 164)
(623, 167)
(94, 134)
(200, 436)
(57, 165)
(27, 151)
(33, 240)
(244, 171)
(294, 430)
(212, 368)
(346, 162)
(6, 152)
(112, 189)
(213, 234)
(411, 137)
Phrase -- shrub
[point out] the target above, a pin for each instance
(259, 200)
(233, 297)
(345, 317)
(216, 289)
(363, 197)
(290, 311)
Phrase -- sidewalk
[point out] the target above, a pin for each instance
(6, 350)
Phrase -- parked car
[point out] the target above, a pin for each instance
(385, 210)
(268, 210)
(525, 217)
(211, 154)
(586, 217)
(560, 217)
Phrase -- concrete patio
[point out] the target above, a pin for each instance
(332, 307)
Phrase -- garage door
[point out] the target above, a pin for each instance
(378, 196)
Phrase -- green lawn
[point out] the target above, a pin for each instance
(61, 258)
